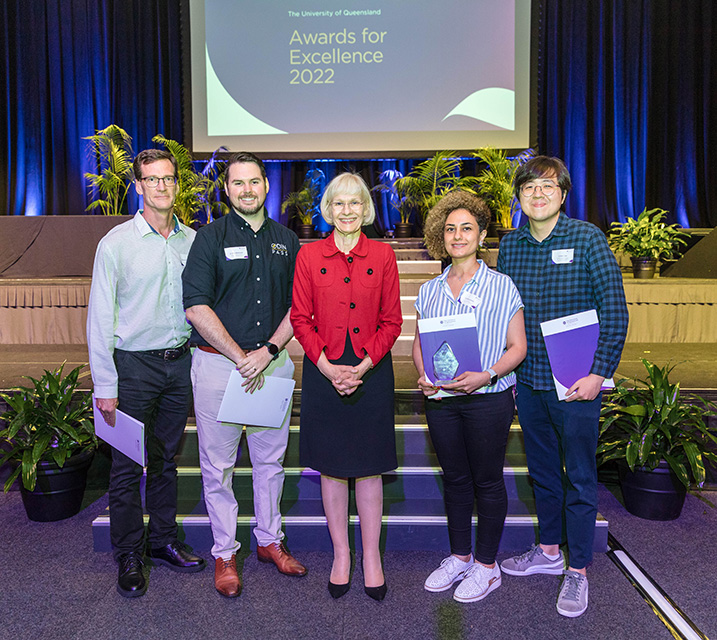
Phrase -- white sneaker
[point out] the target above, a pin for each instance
(448, 573)
(477, 583)
(573, 598)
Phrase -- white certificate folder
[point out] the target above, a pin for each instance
(126, 436)
(266, 407)
(571, 342)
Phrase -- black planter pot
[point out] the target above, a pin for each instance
(655, 494)
(403, 230)
(59, 491)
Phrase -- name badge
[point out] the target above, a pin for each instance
(470, 299)
(236, 253)
(563, 256)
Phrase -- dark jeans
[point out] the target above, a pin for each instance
(560, 443)
(158, 393)
(469, 434)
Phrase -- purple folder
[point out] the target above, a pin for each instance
(571, 342)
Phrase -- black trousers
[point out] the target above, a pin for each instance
(158, 393)
(469, 435)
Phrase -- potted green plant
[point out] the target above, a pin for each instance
(50, 438)
(196, 191)
(495, 183)
(111, 148)
(305, 203)
(646, 239)
(430, 180)
(387, 184)
(660, 439)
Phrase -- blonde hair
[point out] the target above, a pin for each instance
(351, 184)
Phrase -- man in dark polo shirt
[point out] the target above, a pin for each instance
(237, 296)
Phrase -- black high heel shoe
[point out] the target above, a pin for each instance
(377, 593)
(338, 590)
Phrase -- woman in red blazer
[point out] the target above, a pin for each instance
(346, 313)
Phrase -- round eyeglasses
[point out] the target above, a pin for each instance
(340, 204)
(547, 189)
(153, 181)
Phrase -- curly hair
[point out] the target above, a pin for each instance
(436, 219)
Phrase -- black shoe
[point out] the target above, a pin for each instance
(338, 590)
(377, 593)
(131, 582)
(177, 557)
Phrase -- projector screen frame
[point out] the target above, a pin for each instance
(526, 74)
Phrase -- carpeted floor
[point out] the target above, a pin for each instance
(55, 586)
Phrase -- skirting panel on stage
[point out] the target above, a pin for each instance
(54, 311)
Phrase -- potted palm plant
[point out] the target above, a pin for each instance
(112, 151)
(646, 239)
(661, 441)
(496, 181)
(196, 190)
(430, 180)
(49, 438)
(387, 184)
(305, 202)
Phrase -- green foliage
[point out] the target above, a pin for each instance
(111, 148)
(387, 183)
(495, 183)
(647, 236)
(652, 421)
(430, 180)
(195, 191)
(303, 201)
(49, 421)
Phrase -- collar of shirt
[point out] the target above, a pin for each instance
(243, 224)
(361, 248)
(145, 228)
(560, 229)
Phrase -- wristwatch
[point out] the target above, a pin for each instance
(493, 377)
(273, 349)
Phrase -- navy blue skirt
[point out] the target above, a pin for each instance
(348, 436)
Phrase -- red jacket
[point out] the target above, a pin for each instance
(335, 293)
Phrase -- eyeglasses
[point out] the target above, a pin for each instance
(340, 204)
(547, 189)
(153, 181)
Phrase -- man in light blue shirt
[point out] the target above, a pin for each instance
(137, 336)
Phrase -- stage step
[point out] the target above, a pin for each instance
(414, 514)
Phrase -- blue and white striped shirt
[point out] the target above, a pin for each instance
(494, 300)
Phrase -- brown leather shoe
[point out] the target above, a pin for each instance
(284, 561)
(226, 579)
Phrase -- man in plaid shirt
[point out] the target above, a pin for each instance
(561, 266)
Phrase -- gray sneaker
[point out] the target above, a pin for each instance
(450, 571)
(533, 561)
(573, 598)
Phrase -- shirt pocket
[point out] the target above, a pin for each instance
(369, 277)
(324, 276)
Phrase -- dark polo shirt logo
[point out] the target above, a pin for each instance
(279, 249)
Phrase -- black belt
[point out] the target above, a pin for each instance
(169, 354)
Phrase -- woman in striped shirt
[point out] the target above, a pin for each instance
(469, 417)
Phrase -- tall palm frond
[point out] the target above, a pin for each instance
(495, 183)
(111, 148)
(196, 191)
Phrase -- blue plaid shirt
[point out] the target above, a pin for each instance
(551, 287)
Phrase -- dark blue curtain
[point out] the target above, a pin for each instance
(626, 95)
(72, 67)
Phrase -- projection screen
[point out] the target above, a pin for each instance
(321, 78)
